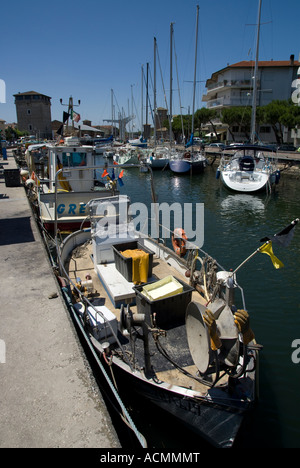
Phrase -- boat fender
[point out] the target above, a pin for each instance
(24, 174)
(30, 183)
(218, 173)
(179, 239)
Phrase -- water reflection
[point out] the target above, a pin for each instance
(239, 203)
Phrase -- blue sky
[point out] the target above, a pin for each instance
(86, 48)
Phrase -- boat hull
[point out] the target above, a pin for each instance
(182, 166)
(245, 184)
(179, 166)
(71, 209)
(158, 163)
(216, 423)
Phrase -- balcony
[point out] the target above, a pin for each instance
(240, 84)
(215, 103)
(231, 102)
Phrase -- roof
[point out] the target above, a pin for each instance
(31, 93)
(261, 64)
(265, 63)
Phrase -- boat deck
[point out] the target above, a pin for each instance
(81, 265)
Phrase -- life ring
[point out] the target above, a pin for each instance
(179, 239)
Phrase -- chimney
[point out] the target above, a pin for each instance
(292, 59)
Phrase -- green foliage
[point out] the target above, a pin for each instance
(13, 134)
(276, 113)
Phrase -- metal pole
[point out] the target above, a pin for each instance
(254, 97)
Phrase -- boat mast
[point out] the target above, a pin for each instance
(155, 111)
(171, 80)
(254, 97)
(142, 97)
(112, 112)
(147, 96)
(195, 73)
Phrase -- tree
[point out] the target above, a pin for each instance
(291, 117)
(279, 114)
(203, 116)
(13, 133)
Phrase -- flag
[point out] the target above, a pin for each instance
(267, 249)
(121, 173)
(284, 237)
(60, 131)
(75, 116)
(105, 173)
(113, 174)
(66, 115)
(120, 181)
(115, 163)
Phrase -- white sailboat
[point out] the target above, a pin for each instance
(251, 167)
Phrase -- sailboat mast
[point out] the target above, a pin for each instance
(155, 110)
(171, 79)
(195, 69)
(254, 97)
(112, 112)
(142, 97)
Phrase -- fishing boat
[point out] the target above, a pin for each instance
(249, 169)
(63, 176)
(176, 335)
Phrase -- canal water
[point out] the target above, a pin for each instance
(233, 227)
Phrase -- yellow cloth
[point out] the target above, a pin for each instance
(267, 249)
(64, 183)
(140, 264)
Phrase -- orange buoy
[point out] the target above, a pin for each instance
(179, 239)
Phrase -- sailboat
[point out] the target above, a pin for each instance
(190, 161)
(251, 167)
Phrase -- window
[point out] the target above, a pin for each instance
(29, 127)
(73, 159)
(28, 111)
(265, 129)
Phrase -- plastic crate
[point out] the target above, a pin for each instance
(124, 264)
(12, 177)
(170, 311)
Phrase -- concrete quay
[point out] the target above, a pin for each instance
(48, 396)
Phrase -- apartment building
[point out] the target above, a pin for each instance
(232, 86)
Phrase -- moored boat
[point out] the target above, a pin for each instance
(178, 338)
(63, 176)
(250, 169)
(188, 163)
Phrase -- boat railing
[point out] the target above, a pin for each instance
(87, 303)
(262, 163)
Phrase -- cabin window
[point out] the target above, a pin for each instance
(73, 159)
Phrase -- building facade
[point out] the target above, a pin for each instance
(233, 86)
(34, 114)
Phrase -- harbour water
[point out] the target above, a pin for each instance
(233, 227)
